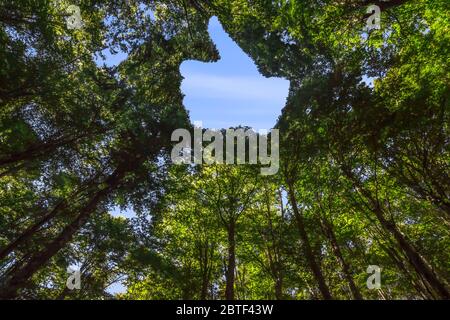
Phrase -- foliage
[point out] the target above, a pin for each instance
(364, 173)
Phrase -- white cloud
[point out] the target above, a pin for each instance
(249, 88)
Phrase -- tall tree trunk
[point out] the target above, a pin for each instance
(21, 277)
(329, 233)
(315, 268)
(419, 284)
(30, 231)
(205, 285)
(279, 288)
(23, 238)
(205, 269)
(275, 264)
(230, 275)
(414, 258)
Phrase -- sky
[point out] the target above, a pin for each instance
(227, 93)
(223, 94)
(231, 92)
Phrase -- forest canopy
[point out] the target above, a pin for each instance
(364, 173)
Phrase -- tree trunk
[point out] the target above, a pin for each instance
(415, 259)
(329, 232)
(279, 288)
(230, 275)
(30, 231)
(22, 276)
(205, 285)
(205, 270)
(419, 284)
(315, 268)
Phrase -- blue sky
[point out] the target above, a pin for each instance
(226, 93)
(231, 92)
(223, 94)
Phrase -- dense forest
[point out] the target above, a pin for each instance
(364, 174)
